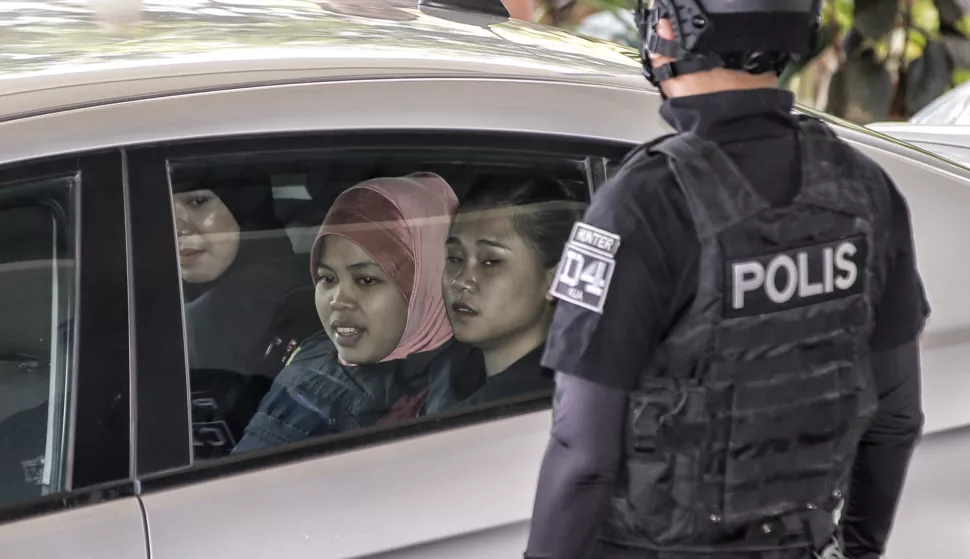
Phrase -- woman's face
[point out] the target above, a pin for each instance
(494, 285)
(361, 309)
(208, 235)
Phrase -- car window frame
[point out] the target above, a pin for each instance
(160, 394)
(99, 439)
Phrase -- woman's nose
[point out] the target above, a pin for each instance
(182, 224)
(464, 281)
(341, 299)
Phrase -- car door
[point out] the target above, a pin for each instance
(66, 484)
(446, 463)
(455, 483)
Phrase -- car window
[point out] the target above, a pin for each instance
(338, 290)
(37, 278)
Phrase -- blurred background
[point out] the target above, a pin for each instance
(879, 60)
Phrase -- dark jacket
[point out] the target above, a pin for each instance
(315, 395)
(472, 387)
(239, 336)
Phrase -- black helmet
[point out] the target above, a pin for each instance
(755, 36)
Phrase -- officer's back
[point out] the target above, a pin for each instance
(734, 305)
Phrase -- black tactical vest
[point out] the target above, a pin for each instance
(743, 428)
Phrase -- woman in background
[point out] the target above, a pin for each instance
(246, 300)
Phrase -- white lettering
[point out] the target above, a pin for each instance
(771, 286)
(828, 270)
(205, 403)
(839, 272)
(805, 287)
(748, 276)
(212, 436)
(594, 276)
(594, 239)
(842, 262)
(572, 268)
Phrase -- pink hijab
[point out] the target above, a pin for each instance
(402, 223)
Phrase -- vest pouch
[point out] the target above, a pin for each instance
(783, 452)
(668, 434)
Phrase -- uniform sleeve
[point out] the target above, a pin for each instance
(902, 309)
(883, 457)
(579, 468)
(611, 346)
(884, 453)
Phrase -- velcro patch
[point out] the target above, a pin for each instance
(794, 278)
(586, 268)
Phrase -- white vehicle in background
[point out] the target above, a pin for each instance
(942, 127)
(91, 122)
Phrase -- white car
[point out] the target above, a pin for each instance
(942, 127)
(951, 108)
(951, 141)
(98, 124)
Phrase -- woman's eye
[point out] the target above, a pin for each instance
(454, 259)
(367, 281)
(490, 263)
(198, 201)
(325, 278)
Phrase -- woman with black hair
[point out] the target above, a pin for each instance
(503, 250)
(247, 302)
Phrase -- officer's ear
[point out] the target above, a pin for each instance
(547, 284)
(665, 30)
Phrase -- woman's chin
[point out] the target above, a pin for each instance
(358, 357)
(465, 335)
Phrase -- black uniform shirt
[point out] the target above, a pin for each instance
(655, 277)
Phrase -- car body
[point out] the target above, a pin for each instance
(952, 108)
(942, 127)
(110, 110)
(946, 140)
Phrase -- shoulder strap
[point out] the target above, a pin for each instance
(643, 149)
(833, 175)
(717, 193)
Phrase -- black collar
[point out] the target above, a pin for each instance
(732, 116)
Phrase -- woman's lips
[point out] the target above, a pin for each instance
(187, 256)
(347, 334)
(463, 311)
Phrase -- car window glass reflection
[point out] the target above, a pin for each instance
(343, 289)
(386, 350)
(37, 294)
(246, 300)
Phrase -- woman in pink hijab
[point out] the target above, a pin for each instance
(377, 265)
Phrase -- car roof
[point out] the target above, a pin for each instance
(60, 54)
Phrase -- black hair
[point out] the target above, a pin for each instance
(546, 225)
(248, 195)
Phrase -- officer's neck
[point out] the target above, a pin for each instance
(716, 81)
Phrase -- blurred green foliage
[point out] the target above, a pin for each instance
(864, 42)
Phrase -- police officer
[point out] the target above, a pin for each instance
(736, 338)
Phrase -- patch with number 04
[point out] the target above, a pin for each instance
(584, 273)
